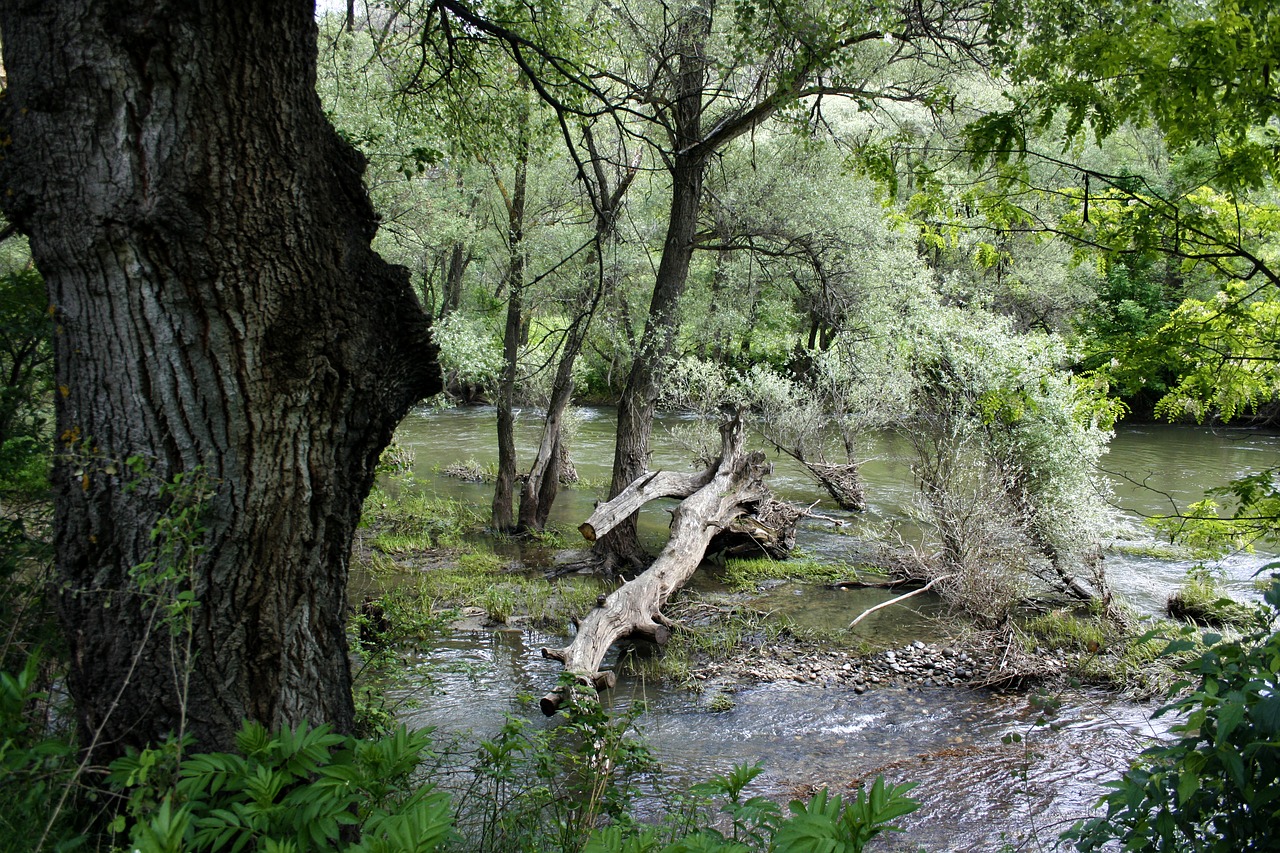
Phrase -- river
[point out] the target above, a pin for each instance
(979, 790)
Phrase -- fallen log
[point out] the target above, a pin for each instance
(635, 608)
(650, 487)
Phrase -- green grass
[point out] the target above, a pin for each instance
(1068, 630)
(479, 578)
(1201, 600)
(746, 575)
(414, 522)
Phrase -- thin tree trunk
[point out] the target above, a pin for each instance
(204, 236)
(504, 487)
(543, 482)
(455, 268)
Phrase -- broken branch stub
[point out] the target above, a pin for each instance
(635, 607)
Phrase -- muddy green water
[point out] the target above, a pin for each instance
(978, 791)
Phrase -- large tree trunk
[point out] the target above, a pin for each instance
(204, 235)
(712, 500)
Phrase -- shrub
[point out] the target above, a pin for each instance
(825, 824)
(1217, 787)
(35, 763)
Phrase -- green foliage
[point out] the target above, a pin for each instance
(1228, 350)
(549, 788)
(26, 611)
(470, 352)
(1006, 445)
(827, 825)
(1202, 529)
(167, 576)
(1200, 599)
(1255, 499)
(1215, 787)
(299, 790)
(36, 762)
(26, 380)
(1201, 72)
(824, 824)
(26, 355)
(413, 521)
(745, 574)
(1069, 630)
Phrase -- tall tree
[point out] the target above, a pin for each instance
(204, 235)
(513, 199)
(722, 73)
(606, 193)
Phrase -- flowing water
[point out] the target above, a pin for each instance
(978, 788)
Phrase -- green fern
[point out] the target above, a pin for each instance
(291, 791)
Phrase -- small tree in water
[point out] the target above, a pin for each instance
(1007, 443)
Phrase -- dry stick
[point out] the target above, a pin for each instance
(97, 734)
(898, 599)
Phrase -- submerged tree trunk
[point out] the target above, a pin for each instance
(712, 500)
(204, 235)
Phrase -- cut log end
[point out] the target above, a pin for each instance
(588, 532)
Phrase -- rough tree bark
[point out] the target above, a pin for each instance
(688, 166)
(712, 500)
(204, 235)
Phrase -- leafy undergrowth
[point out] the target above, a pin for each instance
(569, 787)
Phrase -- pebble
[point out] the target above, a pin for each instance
(915, 665)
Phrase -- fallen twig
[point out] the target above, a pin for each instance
(898, 599)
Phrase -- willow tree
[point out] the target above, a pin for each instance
(778, 55)
(231, 356)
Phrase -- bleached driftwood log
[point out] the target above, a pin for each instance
(712, 500)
